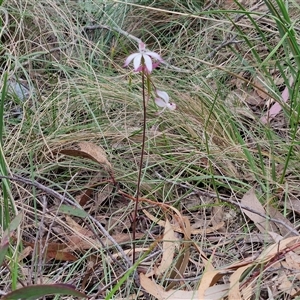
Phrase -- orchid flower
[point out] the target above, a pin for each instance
(142, 60)
(163, 101)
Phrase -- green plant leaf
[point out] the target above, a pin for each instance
(35, 291)
(4, 244)
(3, 251)
(13, 225)
(73, 211)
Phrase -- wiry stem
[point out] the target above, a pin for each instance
(134, 222)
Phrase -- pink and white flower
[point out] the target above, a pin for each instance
(163, 101)
(147, 64)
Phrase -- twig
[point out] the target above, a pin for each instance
(225, 199)
(225, 43)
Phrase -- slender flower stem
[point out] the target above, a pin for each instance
(140, 168)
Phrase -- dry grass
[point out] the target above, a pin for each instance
(213, 148)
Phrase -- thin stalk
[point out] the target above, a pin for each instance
(140, 169)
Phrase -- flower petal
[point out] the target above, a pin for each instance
(137, 61)
(155, 65)
(160, 102)
(130, 58)
(148, 63)
(171, 106)
(163, 95)
(154, 55)
(142, 47)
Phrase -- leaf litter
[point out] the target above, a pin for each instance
(181, 267)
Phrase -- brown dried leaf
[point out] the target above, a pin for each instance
(61, 255)
(84, 197)
(25, 252)
(88, 150)
(99, 197)
(158, 292)
(57, 251)
(181, 295)
(293, 261)
(179, 229)
(154, 219)
(294, 205)
(122, 238)
(275, 214)
(274, 249)
(209, 278)
(82, 238)
(217, 215)
(103, 194)
(204, 231)
(217, 292)
(169, 239)
(250, 200)
(286, 286)
(254, 99)
(184, 255)
(234, 290)
(78, 228)
(151, 287)
(260, 89)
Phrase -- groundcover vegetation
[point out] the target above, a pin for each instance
(108, 191)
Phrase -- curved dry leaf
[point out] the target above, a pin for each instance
(217, 292)
(180, 230)
(209, 278)
(250, 200)
(154, 219)
(184, 255)
(87, 150)
(204, 231)
(159, 293)
(151, 287)
(169, 239)
(234, 289)
(247, 292)
(275, 249)
(275, 214)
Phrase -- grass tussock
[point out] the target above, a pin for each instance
(227, 63)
